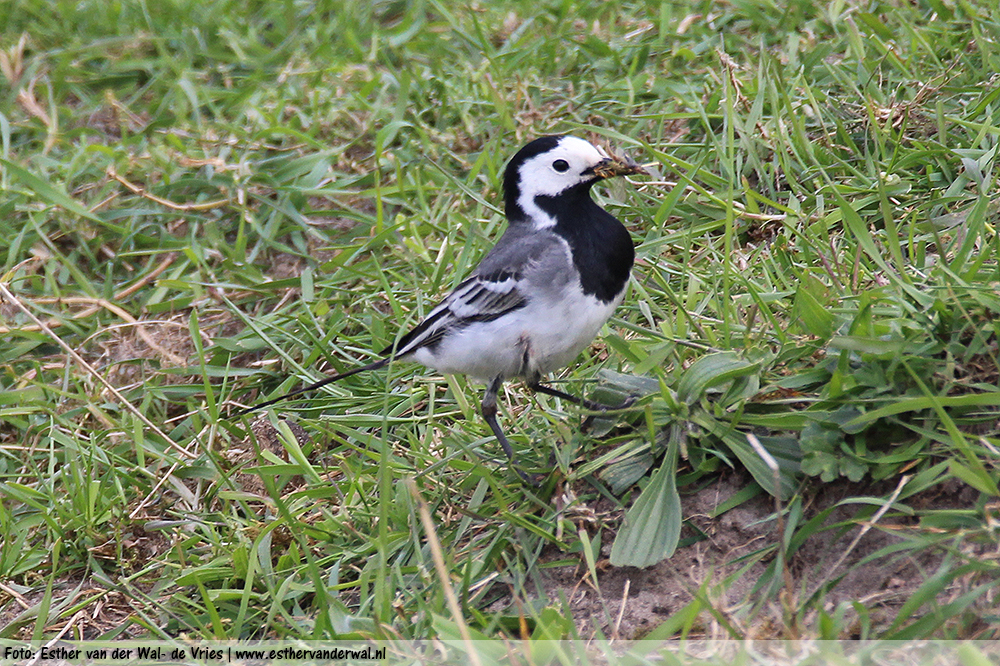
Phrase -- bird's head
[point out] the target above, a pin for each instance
(554, 166)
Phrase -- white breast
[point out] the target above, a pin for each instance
(543, 336)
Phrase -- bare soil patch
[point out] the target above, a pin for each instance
(627, 602)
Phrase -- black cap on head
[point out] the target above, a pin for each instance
(511, 190)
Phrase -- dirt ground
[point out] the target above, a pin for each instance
(631, 601)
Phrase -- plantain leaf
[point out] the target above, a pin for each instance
(710, 370)
(629, 384)
(623, 474)
(652, 527)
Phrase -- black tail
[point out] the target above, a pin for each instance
(381, 363)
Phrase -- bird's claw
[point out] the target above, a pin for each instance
(601, 410)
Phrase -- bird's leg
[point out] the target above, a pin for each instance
(489, 411)
(588, 422)
(535, 385)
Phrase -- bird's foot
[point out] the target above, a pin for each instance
(600, 410)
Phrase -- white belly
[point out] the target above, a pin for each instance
(542, 336)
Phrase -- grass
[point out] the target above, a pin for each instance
(209, 215)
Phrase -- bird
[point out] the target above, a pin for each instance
(542, 293)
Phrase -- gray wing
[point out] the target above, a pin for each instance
(496, 287)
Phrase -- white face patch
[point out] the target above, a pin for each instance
(555, 171)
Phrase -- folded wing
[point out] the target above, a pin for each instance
(498, 286)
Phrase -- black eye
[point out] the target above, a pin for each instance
(562, 166)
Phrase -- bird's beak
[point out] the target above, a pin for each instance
(613, 166)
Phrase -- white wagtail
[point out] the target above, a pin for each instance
(541, 294)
